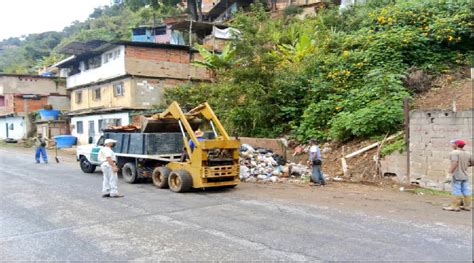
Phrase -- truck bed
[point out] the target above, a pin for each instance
(154, 144)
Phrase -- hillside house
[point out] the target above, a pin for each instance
(22, 95)
(109, 82)
(162, 34)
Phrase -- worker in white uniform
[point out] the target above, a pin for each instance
(109, 169)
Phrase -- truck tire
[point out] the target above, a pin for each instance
(180, 181)
(86, 166)
(160, 176)
(129, 173)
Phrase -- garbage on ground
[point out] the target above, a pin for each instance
(262, 165)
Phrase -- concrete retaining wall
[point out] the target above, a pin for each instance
(276, 145)
(430, 135)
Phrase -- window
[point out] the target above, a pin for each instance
(117, 54)
(139, 31)
(158, 31)
(93, 63)
(108, 57)
(79, 127)
(78, 97)
(101, 140)
(108, 123)
(97, 94)
(118, 89)
(101, 125)
(2, 101)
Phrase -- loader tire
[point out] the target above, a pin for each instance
(129, 173)
(160, 177)
(180, 181)
(86, 166)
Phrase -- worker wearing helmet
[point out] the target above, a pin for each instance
(458, 174)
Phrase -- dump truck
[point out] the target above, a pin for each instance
(161, 151)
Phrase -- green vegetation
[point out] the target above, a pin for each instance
(397, 145)
(428, 191)
(105, 23)
(334, 75)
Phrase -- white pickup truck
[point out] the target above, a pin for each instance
(87, 155)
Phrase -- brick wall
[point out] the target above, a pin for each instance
(430, 135)
(8, 107)
(168, 55)
(33, 105)
(163, 63)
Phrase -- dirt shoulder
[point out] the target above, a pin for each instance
(368, 199)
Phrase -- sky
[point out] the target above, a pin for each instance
(22, 17)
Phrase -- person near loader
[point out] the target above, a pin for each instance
(315, 162)
(109, 169)
(200, 137)
(458, 175)
(40, 143)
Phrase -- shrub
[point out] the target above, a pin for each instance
(292, 10)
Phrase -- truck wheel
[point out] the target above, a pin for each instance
(86, 166)
(129, 173)
(160, 177)
(180, 181)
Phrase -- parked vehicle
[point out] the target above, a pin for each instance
(156, 152)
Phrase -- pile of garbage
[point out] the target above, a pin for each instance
(262, 165)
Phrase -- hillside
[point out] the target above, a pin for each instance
(332, 76)
(446, 89)
(335, 76)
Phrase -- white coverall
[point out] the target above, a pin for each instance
(109, 184)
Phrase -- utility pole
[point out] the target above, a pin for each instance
(406, 108)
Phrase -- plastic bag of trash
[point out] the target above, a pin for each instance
(299, 169)
(263, 150)
(247, 148)
(279, 159)
(244, 172)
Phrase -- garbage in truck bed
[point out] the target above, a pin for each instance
(125, 128)
(149, 143)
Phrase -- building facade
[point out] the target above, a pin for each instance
(21, 96)
(110, 82)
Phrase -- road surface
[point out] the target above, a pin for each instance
(55, 212)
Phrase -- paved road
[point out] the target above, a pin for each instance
(54, 212)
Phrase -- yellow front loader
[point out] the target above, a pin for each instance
(213, 162)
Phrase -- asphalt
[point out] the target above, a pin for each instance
(55, 212)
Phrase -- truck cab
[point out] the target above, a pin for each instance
(87, 155)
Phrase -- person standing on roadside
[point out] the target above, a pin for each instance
(40, 143)
(458, 175)
(315, 161)
(109, 169)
